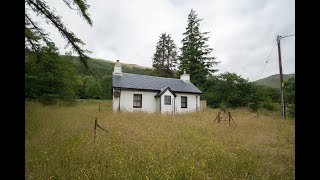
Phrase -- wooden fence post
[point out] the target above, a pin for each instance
(218, 117)
(95, 128)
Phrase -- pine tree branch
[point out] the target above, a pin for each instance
(82, 7)
(39, 30)
(40, 7)
(35, 47)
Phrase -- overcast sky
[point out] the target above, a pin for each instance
(242, 32)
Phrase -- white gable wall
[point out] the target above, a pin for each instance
(167, 108)
(193, 102)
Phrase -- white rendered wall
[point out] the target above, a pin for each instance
(193, 102)
(149, 102)
(115, 102)
(158, 104)
(126, 101)
(167, 108)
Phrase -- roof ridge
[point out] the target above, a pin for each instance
(153, 76)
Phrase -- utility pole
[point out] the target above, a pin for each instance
(281, 79)
(281, 76)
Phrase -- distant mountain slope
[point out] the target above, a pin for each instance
(101, 67)
(273, 80)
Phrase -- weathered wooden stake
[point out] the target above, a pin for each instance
(218, 117)
(95, 128)
(232, 119)
(229, 118)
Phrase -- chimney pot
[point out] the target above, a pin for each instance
(117, 69)
(185, 77)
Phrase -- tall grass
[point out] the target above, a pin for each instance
(59, 144)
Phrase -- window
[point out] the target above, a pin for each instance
(167, 100)
(184, 102)
(137, 100)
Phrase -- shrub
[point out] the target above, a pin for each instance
(291, 110)
(269, 105)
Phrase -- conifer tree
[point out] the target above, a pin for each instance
(165, 57)
(195, 53)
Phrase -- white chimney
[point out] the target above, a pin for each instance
(185, 77)
(117, 69)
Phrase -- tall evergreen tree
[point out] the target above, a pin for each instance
(165, 57)
(195, 53)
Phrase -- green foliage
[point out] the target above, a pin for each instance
(230, 90)
(266, 92)
(92, 88)
(165, 57)
(291, 110)
(289, 89)
(268, 104)
(106, 86)
(62, 77)
(195, 53)
(49, 78)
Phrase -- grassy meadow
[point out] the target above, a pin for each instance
(59, 144)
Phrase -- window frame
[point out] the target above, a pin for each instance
(165, 101)
(137, 100)
(186, 102)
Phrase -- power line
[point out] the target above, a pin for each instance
(267, 60)
(286, 36)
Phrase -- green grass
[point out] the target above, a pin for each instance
(59, 144)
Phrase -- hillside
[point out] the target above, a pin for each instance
(101, 67)
(273, 80)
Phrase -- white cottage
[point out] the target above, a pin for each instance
(133, 92)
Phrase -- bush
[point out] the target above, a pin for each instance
(254, 106)
(223, 106)
(291, 110)
(48, 99)
(269, 105)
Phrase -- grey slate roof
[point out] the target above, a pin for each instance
(137, 81)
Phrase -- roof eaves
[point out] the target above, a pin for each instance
(164, 90)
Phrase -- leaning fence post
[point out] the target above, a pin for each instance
(217, 117)
(95, 128)
(229, 118)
